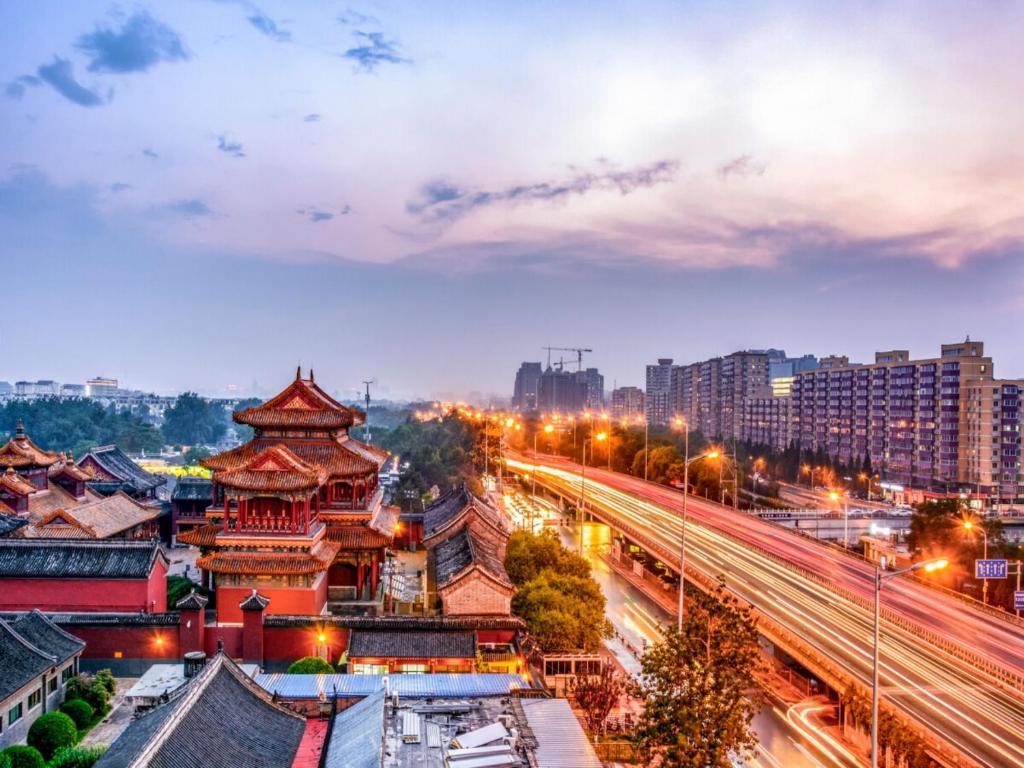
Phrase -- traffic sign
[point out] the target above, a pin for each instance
(1018, 601)
(990, 569)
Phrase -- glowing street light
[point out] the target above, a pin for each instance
(969, 526)
(834, 497)
(687, 461)
(928, 566)
(600, 437)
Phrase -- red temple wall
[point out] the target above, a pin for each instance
(230, 636)
(291, 643)
(283, 600)
(115, 595)
(131, 642)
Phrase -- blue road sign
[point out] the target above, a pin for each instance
(990, 569)
(1018, 601)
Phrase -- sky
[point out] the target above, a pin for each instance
(202, 194)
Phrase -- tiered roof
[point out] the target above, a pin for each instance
(21, 453)
(316, 560)
(464, 552)
(339, 457)
(14, 483)
(454, 506)
(302, 405)
(276, 469)
(220, 719)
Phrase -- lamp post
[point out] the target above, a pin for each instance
(608, 428)
(646, 434)
(880, 579)
(600, 436)
(687, 461)
(846, 517)
(969, 526)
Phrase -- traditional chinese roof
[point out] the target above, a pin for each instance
(200, 536)
(42, 502)
(14, 483)
(451, 507)
(302, 405)
(357, 735)
(29, 647)
(220, 719)
(68, 469)
(463, 552)
(98, 519)
(357, 537)
(10, 523)
(255, 602)
(412, 644)
(20, 452)
(274, 469)
(340, 457)
(318, 559)
(192, 489)
(193, 601)
(41, 559)
(118, 472)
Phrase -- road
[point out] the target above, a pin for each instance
(788, 736)
(954, 699)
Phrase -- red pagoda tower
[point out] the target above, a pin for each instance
(296, 510)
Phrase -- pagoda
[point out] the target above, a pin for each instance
(297, 510)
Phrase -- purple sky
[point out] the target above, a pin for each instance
(202, 194)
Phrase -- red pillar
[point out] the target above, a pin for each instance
(227, 511)
(359, 576)
(191, 622)
(253, 608)
(375, 572)
(293, 513)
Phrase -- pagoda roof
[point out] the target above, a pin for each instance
(192, 601)
(342, 457)
(302, 405)
(275, 468)
(14, 483)
(68, 469)
(200, 536)
(219, 719)
(21, 452)
(458, 555)
(318, 559)
(357, 537)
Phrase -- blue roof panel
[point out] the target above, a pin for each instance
(416, 686)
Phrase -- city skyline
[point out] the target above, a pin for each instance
(249, 186)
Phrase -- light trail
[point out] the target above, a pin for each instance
(949, 696)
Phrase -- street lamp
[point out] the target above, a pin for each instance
(929, 566)
(810, 471)
(600, 437)
(969, 526)
(687, 461)
(646, 433)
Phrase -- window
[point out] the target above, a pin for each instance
(14, 715)
(35, 698)
(51, 684)
(66, 674)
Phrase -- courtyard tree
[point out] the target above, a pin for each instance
(597, 695)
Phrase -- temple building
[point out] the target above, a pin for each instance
(296, 512)
(110, 470)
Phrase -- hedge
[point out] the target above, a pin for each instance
(77, 757)
(80, 711)
(52, 731)
(24, 757)
(310, 665)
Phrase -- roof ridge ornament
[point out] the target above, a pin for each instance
(298, 372)
(311, 379)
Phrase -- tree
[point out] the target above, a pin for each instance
(24, 757)
(310, 665)
(77, 757)
(79, 711)
(695, 687)
(563, 613)
(52, 731)
(179, 587)
(526, 555)
(597, 695)
(194, 420)
(77, 424)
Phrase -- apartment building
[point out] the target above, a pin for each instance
(627, 404)
(658, 406)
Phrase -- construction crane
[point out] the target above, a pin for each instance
(578, 350)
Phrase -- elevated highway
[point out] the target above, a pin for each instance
(948, 666)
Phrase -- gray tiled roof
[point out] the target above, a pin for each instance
(463, 549)
(445, 507)
(38, 558)
(412, 645)
(357, 735)
(28, 651)
(9, 524)
(192, 489)
(131, 477)
(220, 719)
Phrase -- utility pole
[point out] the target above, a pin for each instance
(366, 427)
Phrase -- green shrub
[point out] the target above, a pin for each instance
(77, 686)
(5, 761)
(310, 665)
(80, 711)
(106, 677)
(24, 757)
(77, 757)
(52, 731)
(96, 696)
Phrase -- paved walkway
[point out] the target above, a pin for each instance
(107, 731)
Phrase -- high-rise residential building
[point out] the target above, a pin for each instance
(593, 381)
(561, 391)
(658, 392)
(627, 403)
(524, 396)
